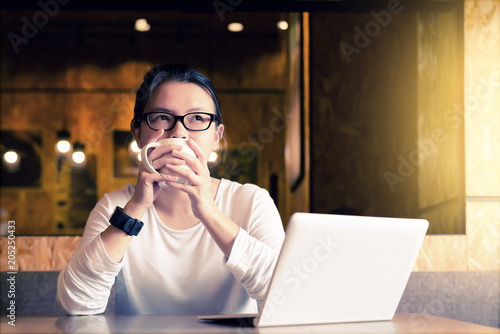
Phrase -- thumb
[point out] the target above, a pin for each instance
(157, 135)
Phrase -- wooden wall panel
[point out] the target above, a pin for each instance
(259, 121)
(84, 78)
(244, 65)
(36, 65)
(363, 114)
(39, 253)
(440, 66)
(386, 135)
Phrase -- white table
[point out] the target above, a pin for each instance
(402, 323)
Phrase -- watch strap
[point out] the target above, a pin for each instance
(124, 222)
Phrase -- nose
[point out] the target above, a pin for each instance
(178, 131)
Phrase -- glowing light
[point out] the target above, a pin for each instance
(63, 146)
(213, 157)
(138, 157)
(283, 25)
(142, 25)
(78, 157)
(11, 157)
(134, 147)
(235, 27)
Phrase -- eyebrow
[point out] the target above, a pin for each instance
(159, 109)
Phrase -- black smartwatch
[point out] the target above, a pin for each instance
(124, 222)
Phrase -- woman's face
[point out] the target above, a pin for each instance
(180, 98)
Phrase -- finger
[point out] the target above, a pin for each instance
(187, 174)
(150, 178)
(197, 150)
(185, 188)
(155, 179)
(162, 150)
(192, 162)
(182, 172)
(162, 162)
(193, 165)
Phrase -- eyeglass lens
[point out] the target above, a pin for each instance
(192, 121)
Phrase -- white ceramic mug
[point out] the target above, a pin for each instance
(175, 141)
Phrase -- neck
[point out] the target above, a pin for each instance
(172, 201)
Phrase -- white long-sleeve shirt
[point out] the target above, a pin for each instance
(167, 271)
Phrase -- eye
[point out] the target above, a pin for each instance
(197, 118)
(160, 117)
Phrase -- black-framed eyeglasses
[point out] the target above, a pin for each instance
(195, 121)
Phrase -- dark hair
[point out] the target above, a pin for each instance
(167, 73)
(175, 72)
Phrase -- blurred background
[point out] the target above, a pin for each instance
(382, 108)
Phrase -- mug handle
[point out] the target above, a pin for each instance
(144, 157)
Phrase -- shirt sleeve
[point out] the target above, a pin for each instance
(84, 284)
(257, 246)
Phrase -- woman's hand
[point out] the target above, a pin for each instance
(147, 188)
(201, 194)
(116, 241)
(200, 190)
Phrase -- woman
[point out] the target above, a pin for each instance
(208, 247)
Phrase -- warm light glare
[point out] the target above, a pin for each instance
(213, 157)
(134, 147)
(10, 157)
(78, 157)
(142, 25)
(235, 27)
(283, 25)
(138, 156)
(63, 146)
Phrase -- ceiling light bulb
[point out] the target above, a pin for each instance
(63, 146)
(142, 25)
(10, 157)
(235, 27)
(78, 157)
(283, 25)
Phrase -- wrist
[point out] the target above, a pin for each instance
(210, 215)
(126, 223)
(134, 210)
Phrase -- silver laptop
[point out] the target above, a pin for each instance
(337, 268)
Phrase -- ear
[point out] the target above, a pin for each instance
(218, 135)
(136, 132)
